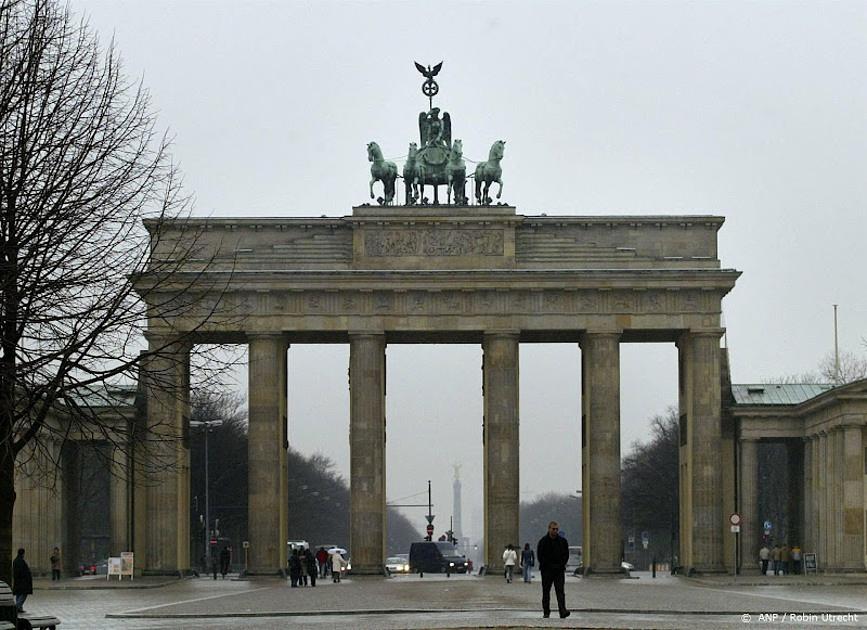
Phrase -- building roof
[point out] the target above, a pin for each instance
(778, 394)
(106, 395)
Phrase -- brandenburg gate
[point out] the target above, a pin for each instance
(480, 274)
(416, 270)
(433, 272)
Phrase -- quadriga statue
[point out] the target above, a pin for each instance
(381, 170)
(489, 172)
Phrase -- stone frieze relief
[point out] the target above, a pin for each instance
(434, 242)
(468, 302)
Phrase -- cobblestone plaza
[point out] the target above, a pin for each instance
(458, 602)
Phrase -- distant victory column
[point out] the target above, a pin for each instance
(456, 503)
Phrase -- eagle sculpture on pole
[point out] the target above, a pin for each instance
(429, 87)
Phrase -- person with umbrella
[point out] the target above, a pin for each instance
(337, 564)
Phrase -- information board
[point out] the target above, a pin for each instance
(810, 563)
(113, 568)
(127, 563)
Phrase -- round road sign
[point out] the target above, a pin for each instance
(735, 519)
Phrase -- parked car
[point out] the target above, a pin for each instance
(626, 566)
(435, 557)
(575, 559)
(398, 563)
(87, 568)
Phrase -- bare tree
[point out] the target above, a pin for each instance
(649, 485)
(318, 497)
(552, 506)
(82, 171)
(852, 367)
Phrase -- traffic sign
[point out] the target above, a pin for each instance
(736, 529)
(213, 541)
(735, 518)
(768, 525)
(430, 530)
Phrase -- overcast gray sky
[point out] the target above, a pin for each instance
(753, 110)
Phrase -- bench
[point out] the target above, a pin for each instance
(8, 612)
(26, 621)
(11, 620)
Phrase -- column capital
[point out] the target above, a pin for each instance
(365, 333)
(509, 333)
(164, 338)
(163, 344)
(599, 334)
(705, 332)
(264, 333)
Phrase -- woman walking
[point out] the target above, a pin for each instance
(510, 559)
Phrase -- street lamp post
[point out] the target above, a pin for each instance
(207, 424)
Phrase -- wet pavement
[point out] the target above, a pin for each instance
(457, 602)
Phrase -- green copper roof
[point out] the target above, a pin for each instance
(773, 394)
(106, 395)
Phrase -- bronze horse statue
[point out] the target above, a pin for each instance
(456, 171)
(413, 175)
(489, 172)
(383, 171)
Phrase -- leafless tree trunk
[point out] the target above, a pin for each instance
(81, 167)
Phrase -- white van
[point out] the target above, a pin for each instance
(575, 564)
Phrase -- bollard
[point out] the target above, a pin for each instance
(653, 565)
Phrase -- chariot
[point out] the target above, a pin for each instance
(436, 160)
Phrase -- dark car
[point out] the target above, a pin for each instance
(435, 557)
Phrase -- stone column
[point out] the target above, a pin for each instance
(600, 405)
(701, 513)
(164, 472)
(501, 446)
(40, 522)
(119, 501)
(852, 543)
(834, 499)
(809, 543)
(822, 525)
(749, 506)
(367, 452)
(266, 454)
(795, 469)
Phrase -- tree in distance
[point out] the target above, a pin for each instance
(318, 497)
(82, 167)
(649, 486)
(552, 506)
(852, 368)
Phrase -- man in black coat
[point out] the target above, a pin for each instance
(552, 553)
(225, 559)
(22, 580)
